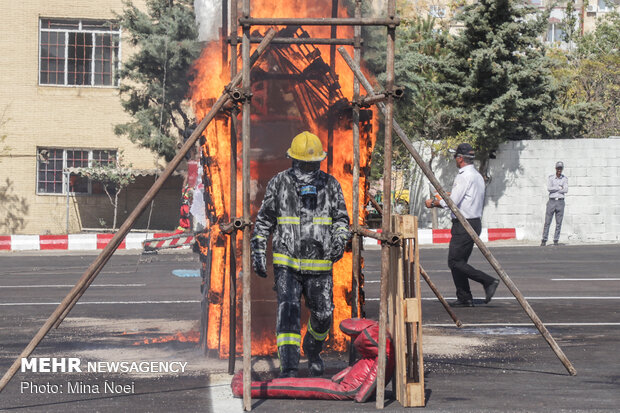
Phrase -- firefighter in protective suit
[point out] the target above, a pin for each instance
(305, 209)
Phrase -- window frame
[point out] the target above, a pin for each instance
(115, 66)
(64, 175)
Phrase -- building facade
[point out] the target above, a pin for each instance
(586, 13)
(59, 103)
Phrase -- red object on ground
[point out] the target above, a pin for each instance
(357, 382)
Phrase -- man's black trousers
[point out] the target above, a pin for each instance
(461, 246)
(317, 291)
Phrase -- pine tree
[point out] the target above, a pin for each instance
(495, 77)
(155, 79)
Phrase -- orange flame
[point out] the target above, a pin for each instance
(209, 82)
(189, 337)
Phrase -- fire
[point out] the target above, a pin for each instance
(189, 337)
(280, 110)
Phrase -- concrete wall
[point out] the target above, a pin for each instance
(517, 194)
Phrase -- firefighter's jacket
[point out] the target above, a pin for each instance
(308, 222)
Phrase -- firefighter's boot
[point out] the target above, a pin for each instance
(312, 349)
(289, 360)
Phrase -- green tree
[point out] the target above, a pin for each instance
(569, 24)
(495, 78)
(418, 44)
(155, 79)
(598, 78)
(114, 176)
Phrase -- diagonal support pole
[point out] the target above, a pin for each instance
(96, 266)
(483, 248)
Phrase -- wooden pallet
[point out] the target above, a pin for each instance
(405, 313)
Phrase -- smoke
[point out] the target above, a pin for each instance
(209, 16)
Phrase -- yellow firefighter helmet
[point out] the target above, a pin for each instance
(306, 147)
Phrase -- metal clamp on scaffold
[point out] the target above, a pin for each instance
(368, 100)
(235, 94)
(389, 237)
(237, 224)
(397, 92)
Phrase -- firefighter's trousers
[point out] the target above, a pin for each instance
(317, 291)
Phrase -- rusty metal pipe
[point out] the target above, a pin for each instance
(387, 206)
(370, 100)
(440, 298)
(365, 232)
(376, 205)
(234, 127)
(483, 248)
(356, 243)
(303, 40)
(338, 21)
(245, 173)
(77, 291)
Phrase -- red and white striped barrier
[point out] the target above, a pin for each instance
(153, 241)
(87, 242)
(161, 241)
(442, 236)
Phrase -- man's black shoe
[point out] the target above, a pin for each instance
(543, 243)
(555, 243)
(489, 291)
(462, 303)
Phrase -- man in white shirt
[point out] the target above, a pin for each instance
(468, 195)
(557, 185)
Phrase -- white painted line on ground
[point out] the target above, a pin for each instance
(78, 272)
(108, 302)
(70, 285)
(585, 279)
(527, 298)
(521, 324)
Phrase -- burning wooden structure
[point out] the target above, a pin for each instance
(294, 88)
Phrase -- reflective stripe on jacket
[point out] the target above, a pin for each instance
(304, 229)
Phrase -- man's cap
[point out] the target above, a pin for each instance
(465, 150)
(559, 164)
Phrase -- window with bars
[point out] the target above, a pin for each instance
(79, 52)
(52, 162)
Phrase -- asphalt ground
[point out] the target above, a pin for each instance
(496, 362)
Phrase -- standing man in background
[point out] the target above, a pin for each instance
(557, 185)
(468, 195)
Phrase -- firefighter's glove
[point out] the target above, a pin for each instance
(339, 243)
(338, 246)
(259, 263)
(258, 246)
